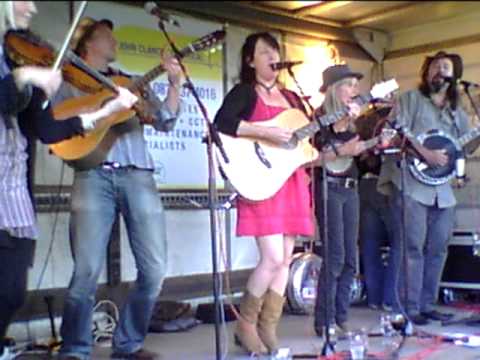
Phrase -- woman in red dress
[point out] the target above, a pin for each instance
(274, 222)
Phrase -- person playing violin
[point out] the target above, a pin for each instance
(123, 183)
(22, 119)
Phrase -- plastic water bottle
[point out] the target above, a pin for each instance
(332, 334)
(386, 326)
(387, 330)
(358, 344)
(282, 354)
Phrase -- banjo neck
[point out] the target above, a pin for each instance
(469, 136)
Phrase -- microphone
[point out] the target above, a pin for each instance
(153, 9)
(467, 84)
(464, 83)
(450, 79)
(285, 65)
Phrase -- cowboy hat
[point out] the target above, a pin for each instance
(85, 30)
(335, 73)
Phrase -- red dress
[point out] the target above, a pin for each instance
(288, 211)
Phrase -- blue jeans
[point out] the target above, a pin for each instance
(343, 213)
(98, 195)
(375, 231)
(428, 230)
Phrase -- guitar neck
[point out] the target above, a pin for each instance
(158, 70)
(469, 136)
(328, 119)
(148, 77)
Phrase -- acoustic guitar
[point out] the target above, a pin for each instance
(257, 168)
(87, 151)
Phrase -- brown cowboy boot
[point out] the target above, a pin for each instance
(268, 320)
(246, 332)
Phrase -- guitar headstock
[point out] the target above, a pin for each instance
(204, 42)
(384, 88)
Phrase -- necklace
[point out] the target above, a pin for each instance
(266, 87)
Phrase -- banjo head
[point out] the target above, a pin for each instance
(340, 165)
(436, 175)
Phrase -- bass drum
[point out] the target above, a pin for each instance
(302, 282)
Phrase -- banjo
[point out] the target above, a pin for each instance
(439, 140)
(341, 164)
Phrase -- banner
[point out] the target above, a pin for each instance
(180, 156)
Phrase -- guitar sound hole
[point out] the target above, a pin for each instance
(261, 155)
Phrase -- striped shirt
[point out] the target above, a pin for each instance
(130, 148)
(17, 215)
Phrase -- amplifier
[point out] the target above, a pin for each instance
(462, 268)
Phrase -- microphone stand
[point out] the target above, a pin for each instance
(402, 252)
(328, 347)
(466, 87)
(212, 137)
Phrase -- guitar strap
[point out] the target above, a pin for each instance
(293, 100)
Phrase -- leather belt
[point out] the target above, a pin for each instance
(116, 166)
(370, 175)
(346, 182)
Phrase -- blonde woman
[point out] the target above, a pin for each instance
(340, 86)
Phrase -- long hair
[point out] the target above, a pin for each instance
(331, 104)
(452, 91)
(7, 19)
(247, 73)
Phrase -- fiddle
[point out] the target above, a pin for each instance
(23, 47)
(370, 122)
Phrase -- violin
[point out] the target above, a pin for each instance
(370, 122)
(23, 47)
(26, 48)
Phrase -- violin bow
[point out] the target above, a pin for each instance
(66, 42)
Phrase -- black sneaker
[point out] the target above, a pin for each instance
(419, 319)
(437, 315)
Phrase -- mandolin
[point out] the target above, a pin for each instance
(89, 150)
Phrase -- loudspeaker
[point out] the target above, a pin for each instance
(462, 261)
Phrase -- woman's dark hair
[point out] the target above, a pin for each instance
(247, 73)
